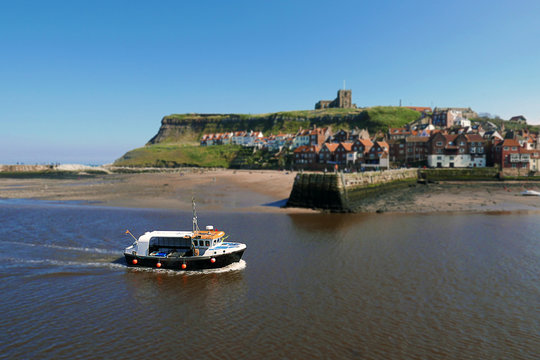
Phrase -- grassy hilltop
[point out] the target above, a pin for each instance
(176, 143)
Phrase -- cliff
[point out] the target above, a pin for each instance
(186, 128)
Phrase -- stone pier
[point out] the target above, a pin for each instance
(341, 192)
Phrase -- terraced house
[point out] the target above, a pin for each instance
(359, 148)
(327, 155)
(306, 156)
(451, 150)
(316, 136)
(416, 149)
(509, 154)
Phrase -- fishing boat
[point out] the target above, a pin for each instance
(530, 193)
(184, 250)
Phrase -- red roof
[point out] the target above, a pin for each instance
(307, 149)
(383, 144)
(330, 146)
(365, 142)
(419, 108)
(416, 139)
(510, 142)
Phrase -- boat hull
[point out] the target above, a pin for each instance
(191, 262)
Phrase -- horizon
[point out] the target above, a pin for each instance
(85, 83)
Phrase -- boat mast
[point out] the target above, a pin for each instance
(195, 224)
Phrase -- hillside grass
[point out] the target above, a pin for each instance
(176, 155)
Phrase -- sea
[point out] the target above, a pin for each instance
(310, 286)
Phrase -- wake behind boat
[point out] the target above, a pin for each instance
(530, 193)
(184, 250)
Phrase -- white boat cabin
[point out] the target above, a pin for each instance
(178, 243)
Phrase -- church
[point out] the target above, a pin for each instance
(343, 100)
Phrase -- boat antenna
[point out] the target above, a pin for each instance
(129, 232)
(195, 224)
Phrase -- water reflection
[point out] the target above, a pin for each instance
(328, 222)
(178, 290)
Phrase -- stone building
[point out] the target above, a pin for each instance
(445, 117)
(520, 119)
(343, 100)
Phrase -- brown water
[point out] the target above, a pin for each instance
(384, 286)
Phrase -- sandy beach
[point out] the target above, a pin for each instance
(234, 190)
(257, 191)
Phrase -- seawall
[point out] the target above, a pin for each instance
(25, 168)
(460, 174)
(341, 192)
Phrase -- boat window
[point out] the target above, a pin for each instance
(162, 243)
(207, 243)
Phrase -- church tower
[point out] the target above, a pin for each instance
(344, 98)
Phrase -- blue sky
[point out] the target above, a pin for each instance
(86, 81)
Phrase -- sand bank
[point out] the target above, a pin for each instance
(234, 190)
(258, 191)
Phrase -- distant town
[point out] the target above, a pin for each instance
(439, 138)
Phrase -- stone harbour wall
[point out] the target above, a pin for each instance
(25, 168)
(342, 192)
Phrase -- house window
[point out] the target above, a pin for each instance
(506, 148)
(461, 151)
(439, 151)
(461, 143)
(439, 157)
(514, 148)
(439, 143)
